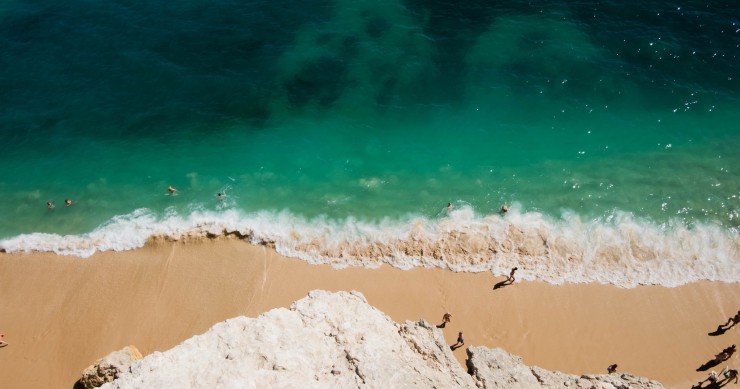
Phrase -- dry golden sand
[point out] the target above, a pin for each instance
(60, 314)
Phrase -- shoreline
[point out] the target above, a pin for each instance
(627, 252)
(63, 313)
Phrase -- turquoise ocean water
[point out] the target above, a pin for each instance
(339, 131)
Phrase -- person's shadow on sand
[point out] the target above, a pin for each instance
(722, 328)
(718, 332)
(503, 283)
(455, 346)
(712, 385)
(710, 364)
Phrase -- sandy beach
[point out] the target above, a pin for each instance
(60, 314)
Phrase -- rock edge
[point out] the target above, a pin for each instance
(339, 340)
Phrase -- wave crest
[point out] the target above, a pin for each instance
(620, 250)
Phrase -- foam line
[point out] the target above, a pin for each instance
(620, 249)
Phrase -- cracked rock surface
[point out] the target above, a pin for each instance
(324, 340)
(330, 340)
(495, 368)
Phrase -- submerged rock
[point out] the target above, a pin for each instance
(332, 340)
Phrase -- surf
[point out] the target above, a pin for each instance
(619, 249)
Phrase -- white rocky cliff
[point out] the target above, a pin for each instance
(339, 340)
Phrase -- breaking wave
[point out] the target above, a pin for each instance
(620, 249)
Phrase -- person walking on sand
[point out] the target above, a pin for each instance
(733, 320)
(729, 351)
(729, 374)
(508, 281)
(712, 378)
(721, 357)
(3, 343)
(460, 342)
(445, 319)
(511, 275)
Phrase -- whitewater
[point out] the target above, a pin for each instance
(619, 249)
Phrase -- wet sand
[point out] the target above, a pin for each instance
(60, 314)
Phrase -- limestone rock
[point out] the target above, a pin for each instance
(495, 368)
(324, 340)
(109, 367)
(339, 340)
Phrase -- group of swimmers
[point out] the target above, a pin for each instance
(172, 191)
(50, 204)
(220, 195)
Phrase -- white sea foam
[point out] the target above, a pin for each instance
(620, 250)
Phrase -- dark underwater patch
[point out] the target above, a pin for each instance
(320, 81)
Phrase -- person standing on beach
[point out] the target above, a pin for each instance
(3, 343)
(445, 319)
(460, 342)
(611, 368)
(712, 378)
